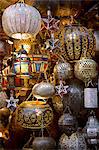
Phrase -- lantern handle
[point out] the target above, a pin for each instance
(21, 1)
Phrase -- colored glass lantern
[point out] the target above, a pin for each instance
(22, 64)
(75, 41)
(21, 21)
(39, 63)
(29, 114)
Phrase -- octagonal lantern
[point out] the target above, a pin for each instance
(76, 41)
(21, 21)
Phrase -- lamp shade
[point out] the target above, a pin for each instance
(21, 21)
(75, 41)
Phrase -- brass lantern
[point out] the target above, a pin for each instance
(85, 69)
(75, 142)
(75, 40)
(63, 71)
(29, 114)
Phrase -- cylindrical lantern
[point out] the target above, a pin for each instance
(43, 90)
(63, 71)
(85, 69)
(29, 114)
(75, 40)
(92, 130)
(21, 21)
(90, 98)
(22, 64)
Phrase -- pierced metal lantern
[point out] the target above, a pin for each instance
(86, 69)
(43, 90)
(22, 64)
(57, 103)
(67, 123)
(21, 21)
(29, 114)
(75, 40)
(44, 143)
(63, 71)
(75, 142)
(92, 130)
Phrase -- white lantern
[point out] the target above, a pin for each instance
(21, 21)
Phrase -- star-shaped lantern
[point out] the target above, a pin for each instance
(61, 89)
(12, 102)
(50, 23)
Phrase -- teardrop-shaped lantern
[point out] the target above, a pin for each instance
(29, 114)
(86, 69)
(63, 71)
(21, 21)
(75, 40)
(43, 90)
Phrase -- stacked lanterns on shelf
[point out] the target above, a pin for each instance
(75, 47)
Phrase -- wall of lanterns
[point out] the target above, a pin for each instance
(45, 68)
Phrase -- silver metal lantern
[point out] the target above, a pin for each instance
(21, 21)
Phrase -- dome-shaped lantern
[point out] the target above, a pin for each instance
(21, 21)
(75, 41)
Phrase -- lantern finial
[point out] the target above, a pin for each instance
(21, 1)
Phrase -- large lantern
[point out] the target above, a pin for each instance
(86, 69)
(30, 114)
(21, 21)
(75, 40)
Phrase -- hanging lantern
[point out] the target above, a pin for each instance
(39, 63)
(92, 130)
(57, 103)
(63, 71)
(3, 98)
(44, 143)
(75, 40)
(67, 123)
(21, 21)
(90, 98)
(22, 64)
(29, 114)
(85, 69)
(43, 90)
(75, 142)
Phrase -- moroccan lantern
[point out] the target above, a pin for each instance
(92, 130)
(75, 40)
(86, 69)
(22, 64)
(67, 123)
(43, 90)
(21, 21)
(29, 114)
(57, 103)
(3, 98)
(63, 71)
(76, 142)
(44, 143)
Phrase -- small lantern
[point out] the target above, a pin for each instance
(92, 130)
(22, 64)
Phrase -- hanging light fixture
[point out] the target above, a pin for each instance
(21, 21)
